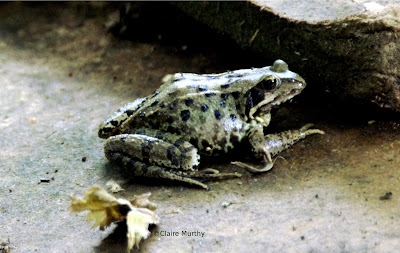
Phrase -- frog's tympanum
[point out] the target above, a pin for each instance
(189, 116)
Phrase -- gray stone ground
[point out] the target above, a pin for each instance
(61, 74)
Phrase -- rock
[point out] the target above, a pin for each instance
(348, 48)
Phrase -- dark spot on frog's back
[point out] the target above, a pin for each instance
(189, 102)
(218, 114)
(224, 96)
(129, 112)
(185, 115)
(114, 122)
(210, 94)
(155, 102)
(225, 86)
(204, 108)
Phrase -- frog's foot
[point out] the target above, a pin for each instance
(140, 169)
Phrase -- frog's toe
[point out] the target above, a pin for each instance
(209, 173)
(307, 126)
(268, 166)
(307, 131)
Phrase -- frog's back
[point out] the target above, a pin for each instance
(208, 119)
(178, 91)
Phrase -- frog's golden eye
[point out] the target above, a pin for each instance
(269, 83)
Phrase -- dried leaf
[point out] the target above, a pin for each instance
(105, 209)
(143, 201)
(138, 221)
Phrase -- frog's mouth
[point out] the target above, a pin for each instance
(260, 102)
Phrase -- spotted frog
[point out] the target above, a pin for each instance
(165, 134)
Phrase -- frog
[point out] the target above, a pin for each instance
(190, 116)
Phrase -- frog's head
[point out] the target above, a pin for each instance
(275, 87)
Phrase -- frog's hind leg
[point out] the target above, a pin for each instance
(138, 168)
(181, 156)
(155, 157)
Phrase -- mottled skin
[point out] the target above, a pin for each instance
(164, 134)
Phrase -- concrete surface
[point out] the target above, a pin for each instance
(61, 74)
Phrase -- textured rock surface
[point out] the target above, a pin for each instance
(350, 48)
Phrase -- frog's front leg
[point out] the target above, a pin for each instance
(276, 143)
(272, 144)
(148, 156)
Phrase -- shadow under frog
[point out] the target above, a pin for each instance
(165, 134)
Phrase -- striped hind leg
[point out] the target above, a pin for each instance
(148, 156)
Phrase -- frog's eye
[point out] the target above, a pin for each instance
(269, 83)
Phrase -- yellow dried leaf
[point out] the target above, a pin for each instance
(104, 208)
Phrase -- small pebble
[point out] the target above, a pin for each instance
(387, 196)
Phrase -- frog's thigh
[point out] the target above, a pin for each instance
(154, 151)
